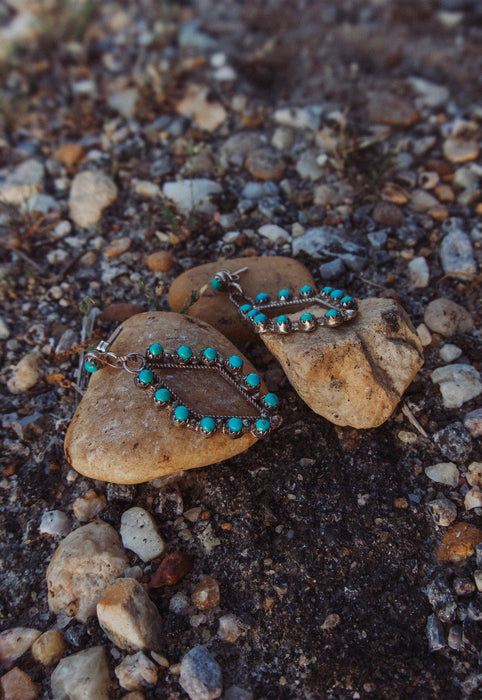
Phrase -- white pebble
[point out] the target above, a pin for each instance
(473, 498)
(274, 233)
(55, 523)
(449, 352)
(478, 579)
(139, 534)
(419, 272)
(458, 383)
(82, 675)
(15, 642)
(474, 474)
(26, 374)
(136, 672)
(88, 506)
(228, 629)
(424, 334)
(4, 330)
(443, 473)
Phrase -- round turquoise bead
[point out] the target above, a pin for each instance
(244, 308)
(306, 317)
(252, 380)
(282, 319)
(216, 284)
(181, 413)
(145, 376)
(336, 294)
(262, 296)
(235, 361)
(262, 425)
(332, 313)
(252, 313)
(156, 349)
(184, 352)
(90, 366)
(207, 424)
(284, 294)
(210, 354)
(260, 318)
(306, 289)
(271, 400)
(162, 395)
(347, 300)
(235, 425)
(326, 290)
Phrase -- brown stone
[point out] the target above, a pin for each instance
(266, 274)
(172, 569)
(161, 261)
(265, 164)
(392, 110)
(118, 246)
(459, 543)
(206, 595)
(69, 154)
(17, 685)
(354, 374)
(119, 435)
(387, 214)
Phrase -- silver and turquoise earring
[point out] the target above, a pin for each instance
(339, 307)
(147, 371)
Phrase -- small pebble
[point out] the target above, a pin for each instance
(161, 261)
(441, 598)
(49, 648)
(449, 352)
(90, 193)
(118, 246)
(172, 569)
(70, 154)
(443, 473)
(458, 383)
(26, 374)
(424, 334)
(478, 579)
(4, 329)
(139, 534)
(201, 676)
(206, 594)
(179, 604)
(459, 543)
(55, 523)
(387, 214)
(460, 151)
(454, 638)
(454, 442)
(422, 201)
(307, 167)
(297, 117)
(82, 675)
(330, 621)
(418, 272)
(88, 506)
(229, 630)
(136, 671)
(474, 609)
(457, 256)
(474, 474)
(265, 164)
(446, 317)
(194, 194)
(274, 233)
(435, 633)
(443, 511)
(473, 422)
(473, 498)
(463, 586)
(17, 685)
(15, 642)
(147, 189)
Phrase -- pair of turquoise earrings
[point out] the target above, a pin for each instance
(148, 368)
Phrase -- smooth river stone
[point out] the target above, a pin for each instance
(355, 374)
(266, 274)
(119, 435)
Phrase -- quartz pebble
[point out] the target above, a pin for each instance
(17, 685)
(449, 352)
(228, 628)
(201, 675)
(297, 117)
(474, 474)
(88, 506)
(25, 181)
(459, 543)
(454, 442)
(207, 113)
(139, 534)
(215, 308)
(435, 633)
(129, 617)
(473, 498)
(91, 192)
(454, 637)
(119, 435)
(478, 579)
(83, 565)
(418, 272)
(273, 233)
(458, 383)
(424, 334)
(189, 195)
(26, 374)
(333, 371)
(446, 317)
(457, 256)
(206, 594)
(441, 598)
(15, 642)
(136, 671)
(82, 675)
(55, 523)
(473, 422)
(49, 648)
(443, 511)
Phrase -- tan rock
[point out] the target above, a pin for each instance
(17, 685)
(267, 274)
(49, 648)
(460, 150)
(206, 594)
(69, 154)
(355, 374)
(385, 108)
(208, 114)
(82, 567)
(446, 317)
(459, 543)
(129, 617)
(119, 435)
(26, 374)
(161, 261)
(118, 246)
(88, 506)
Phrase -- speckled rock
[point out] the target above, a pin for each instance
(265, 164)
(89, 506)
(119, 435)
(267, 274)
(83, 565)
(139, 534)
(129, 617)
(201, 675)
(136, 671)
(189, 195)
(459, 543)
(446, 317)
(81, 676)
(91, 192)
(354, 374)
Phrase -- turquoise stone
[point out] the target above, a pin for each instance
(262, 296)
(326, 290)
(210, 354)
(332, 313)
(90, 366)
(336, 294)
(282, 319)
(181, 413)
(235, 361)
(271, 400)
(252, 313)
(145, 376)
(347, 300)
(253, 380)
(184, 352)
(306, 289)
(306, 317)
(262, 425)
(207, 424)
(162, 395)
(235, 425)
(216, 284)
(284, 294)
(156, 349)
(244, 308)
(260, 318)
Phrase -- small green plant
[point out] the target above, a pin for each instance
(86, 305)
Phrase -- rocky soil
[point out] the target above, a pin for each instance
(139, 140)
